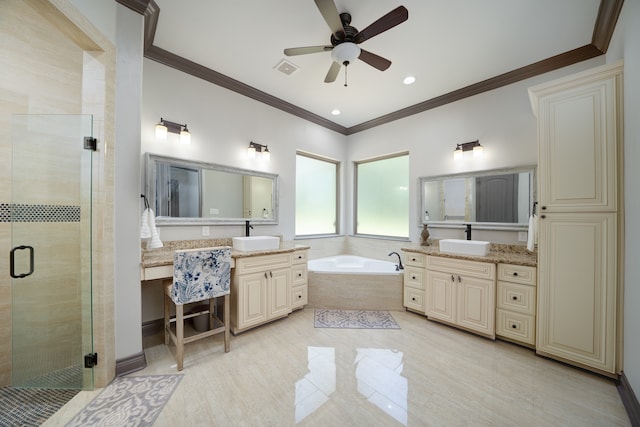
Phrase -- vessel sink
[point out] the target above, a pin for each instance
(465, 247)
(255, 243)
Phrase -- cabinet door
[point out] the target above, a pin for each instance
(252, 300)
(440, 296)
(577, 131)
(475, 304)
(279, 293)
(577, 288)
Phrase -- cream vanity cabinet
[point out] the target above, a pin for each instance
(461, 293)
(516, 303)
(299, 285)
(414, 282)
(260, 290)
(579, 140)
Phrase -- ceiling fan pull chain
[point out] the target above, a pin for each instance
(346, 67)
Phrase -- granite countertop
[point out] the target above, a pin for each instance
(164, 256)
(499, 253)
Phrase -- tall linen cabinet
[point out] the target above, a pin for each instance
(580, 218)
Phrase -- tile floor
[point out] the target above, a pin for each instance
(425, 374)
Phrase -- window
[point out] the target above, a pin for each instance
(316, 195)
(382, 196)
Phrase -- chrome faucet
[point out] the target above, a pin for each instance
(399, 265)
(468, 231)
(247, 226)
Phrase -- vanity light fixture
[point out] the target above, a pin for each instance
(468, 146)
(261, 150)
(165, 126)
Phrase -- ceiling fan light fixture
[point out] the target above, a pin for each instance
(345, 52)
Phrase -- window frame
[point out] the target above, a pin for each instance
(355, 197)
(338, 167)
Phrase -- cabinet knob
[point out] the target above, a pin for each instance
(515, 273)
(270, 274)
(543, 216)
(544, 208)
(514, 326)
(265, 275)
(413, 299)
(515, 298)
(413, 277)
(413, 259)
(299, 274)
(459, 279)
(453, 279)
(299, 296)
(299, 256)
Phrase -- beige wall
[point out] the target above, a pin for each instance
(50, 66)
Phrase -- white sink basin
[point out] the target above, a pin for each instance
(255, 243)
(465, 247)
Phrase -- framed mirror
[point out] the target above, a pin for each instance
(501, 198)
(187, 192)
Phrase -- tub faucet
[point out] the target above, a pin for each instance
(468, 231)
(399, 265)
(247, 226)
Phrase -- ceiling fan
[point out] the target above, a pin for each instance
(345, 38)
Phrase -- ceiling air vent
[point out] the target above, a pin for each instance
(286, 67)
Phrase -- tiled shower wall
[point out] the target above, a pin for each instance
(46, 69)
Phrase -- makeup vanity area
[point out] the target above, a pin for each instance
(265, 285)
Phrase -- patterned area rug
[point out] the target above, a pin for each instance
(128, 401)
(354, 319)
(31, 406)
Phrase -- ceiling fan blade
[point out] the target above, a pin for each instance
(292, 51)
(388, 21)
(329, 12)
(332, 74)
(374, 60)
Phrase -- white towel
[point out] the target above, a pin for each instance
(532, 233)
(154, 242)
(145, 231)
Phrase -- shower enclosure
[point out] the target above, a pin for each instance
(50, 260)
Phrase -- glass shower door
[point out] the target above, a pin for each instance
(50, 259)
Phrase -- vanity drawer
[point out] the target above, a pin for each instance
(298, 297)
(516, 297)
(517, 274)
(519, 327)
(414, 299)
(299, 274)
(415, 259)
(300, 257)
(261, 263)
(414, 277)
(481, 270)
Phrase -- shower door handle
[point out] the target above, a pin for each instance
(12, 261)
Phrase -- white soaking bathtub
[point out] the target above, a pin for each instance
(351, 282)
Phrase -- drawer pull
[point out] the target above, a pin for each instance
(299, 274)
(413, 298)
(270, 274)
(265, 275)
(453, 279)
(515, 273)
(299, 256)
(514, 326)
(515, 298)
(413, 277)
(413, 259)
(299, 296)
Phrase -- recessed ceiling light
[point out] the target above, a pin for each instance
(336, 112)
(408, 80)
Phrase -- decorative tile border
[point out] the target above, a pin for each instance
(10, 212)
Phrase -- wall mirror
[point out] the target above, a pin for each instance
(501, 198)
(187, 192)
